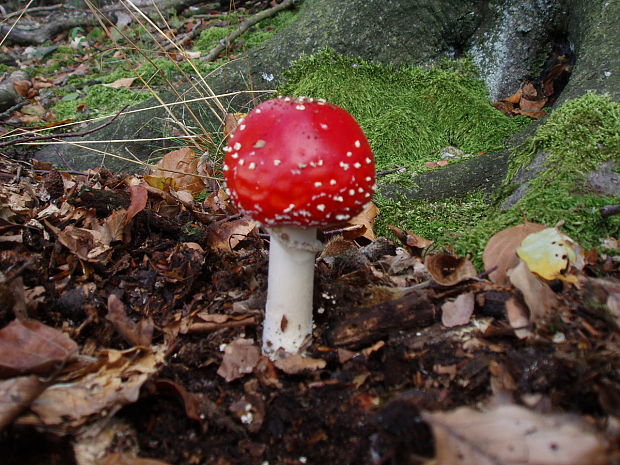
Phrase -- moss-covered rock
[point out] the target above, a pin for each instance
(408, 113)
(577, 139)
(580, 138)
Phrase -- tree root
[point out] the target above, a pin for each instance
(59, 18)
(244, 26)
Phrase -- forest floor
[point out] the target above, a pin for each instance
(131, 323)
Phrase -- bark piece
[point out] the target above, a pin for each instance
(369, 324)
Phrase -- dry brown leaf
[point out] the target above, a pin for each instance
(136, 334)
(514, 98)
(501, 249)
(240, 358)
(367, 219)
(184, 160)
(295, 364)
(139, 196)
(538, 296)
(121, 83)
(231, 122)
(534, 105)
(204, 321)
(458, 312)
(22, 87)
(185, 197)
(506, 108)
(16, 395)
(266, 373)
(96, 395)
(414, 243)
(87, 244)
(226, 235)
(449, 270)
(514, 435)
(39, 83)
(518, 317)
(32, 347)
(112, 227)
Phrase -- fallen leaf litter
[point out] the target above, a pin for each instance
(144, 324)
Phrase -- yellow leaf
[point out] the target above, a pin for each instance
(550, 253)
(160, 182)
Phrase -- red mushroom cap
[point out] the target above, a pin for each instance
(299, 162)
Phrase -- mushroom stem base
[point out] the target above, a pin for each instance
(288, 313)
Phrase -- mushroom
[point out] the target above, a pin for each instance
(295, 164)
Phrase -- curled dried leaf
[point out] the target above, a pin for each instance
(180, 170)
(294, 364)
(500, 252)
(449, 270)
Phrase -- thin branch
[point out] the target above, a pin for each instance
(185, 38)
(62, 136)
(16, 21)
(15, 107)
(398, 169)
(36, 10)
(244, 26)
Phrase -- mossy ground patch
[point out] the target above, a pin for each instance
(410, 113)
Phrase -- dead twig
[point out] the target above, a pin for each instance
(37, 9)
(15, 107)
(398, 169)
(185, 38)
(244, 26)
(62, 136)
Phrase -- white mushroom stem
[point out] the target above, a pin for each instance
(288, 313)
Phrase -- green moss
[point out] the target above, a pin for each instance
(407, 113)
(268, 27)
(63, 57)
(162, 72)
(579, 137)
(100, 100)
(209, 38)
(443, 221)
(257, 34)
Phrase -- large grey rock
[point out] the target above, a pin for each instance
(593, 26)
(485, 172)
(512, 43)
(400, 32)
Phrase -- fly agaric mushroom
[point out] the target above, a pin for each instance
(295, 165)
